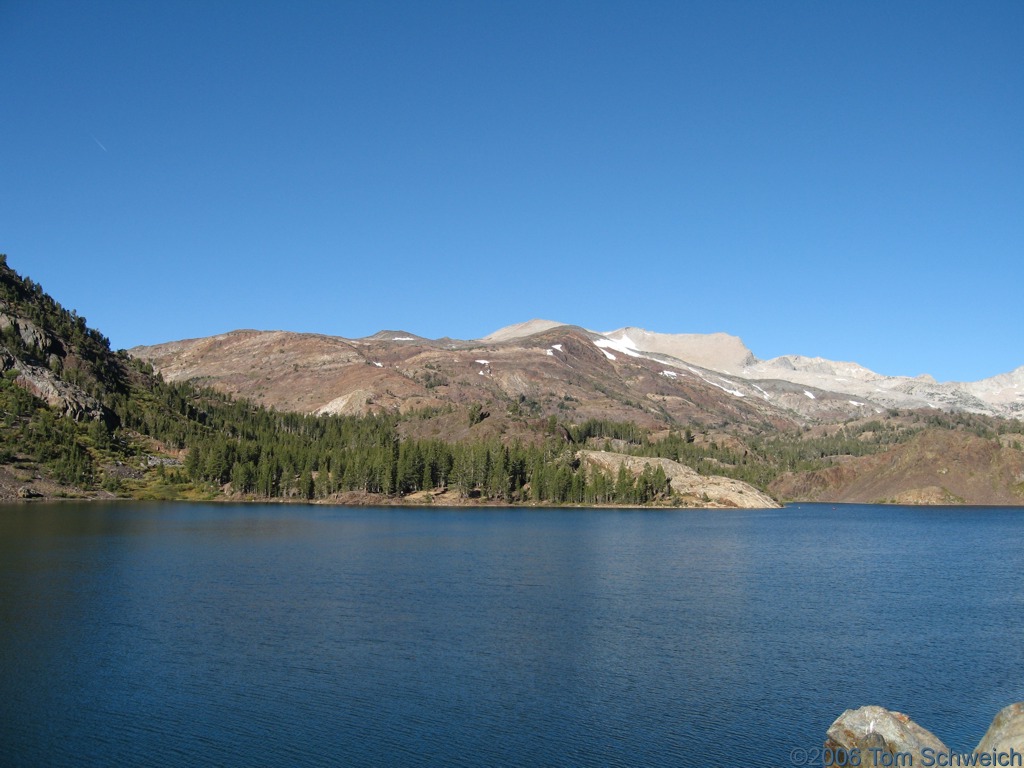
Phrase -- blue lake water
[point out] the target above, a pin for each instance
(177, 634)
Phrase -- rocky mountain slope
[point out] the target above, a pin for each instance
(62, 369)
(59, 386)
(1001, 395)
(560, 370)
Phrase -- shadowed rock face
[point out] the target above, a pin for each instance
(68, 399)
(878, 736)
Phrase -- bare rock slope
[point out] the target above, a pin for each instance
(626, 374)
(562, 370)
(703, 490)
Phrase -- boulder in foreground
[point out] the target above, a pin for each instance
(876, 736)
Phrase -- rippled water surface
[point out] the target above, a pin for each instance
(275, 635)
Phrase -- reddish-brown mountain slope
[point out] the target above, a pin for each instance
(935, 467)
(556, 371)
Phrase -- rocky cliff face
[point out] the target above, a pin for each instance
(24, 347)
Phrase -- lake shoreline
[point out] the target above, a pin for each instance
(451, 500)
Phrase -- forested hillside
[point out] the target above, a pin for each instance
(77, 419)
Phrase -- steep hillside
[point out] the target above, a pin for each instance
(58, 392)
(53, 354)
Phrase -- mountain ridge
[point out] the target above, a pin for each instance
(576, 372)
(707, 356)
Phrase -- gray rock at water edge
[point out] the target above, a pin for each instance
(876, 733)
(870, 729)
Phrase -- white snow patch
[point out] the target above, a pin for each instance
(627, 342)
(702, 377)
(379, 365)
(557, 347)
(484, 362)
(765, 394)
(669, 374)
(549, 352)
(854, 402)
(403, 338)
(608, 354)
(733, 392)
(810, 395)
(481, 373)
(625, 346)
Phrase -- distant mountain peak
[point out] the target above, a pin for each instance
(715, 351)
(386, 335)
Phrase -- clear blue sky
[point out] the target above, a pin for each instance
(843, 179)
